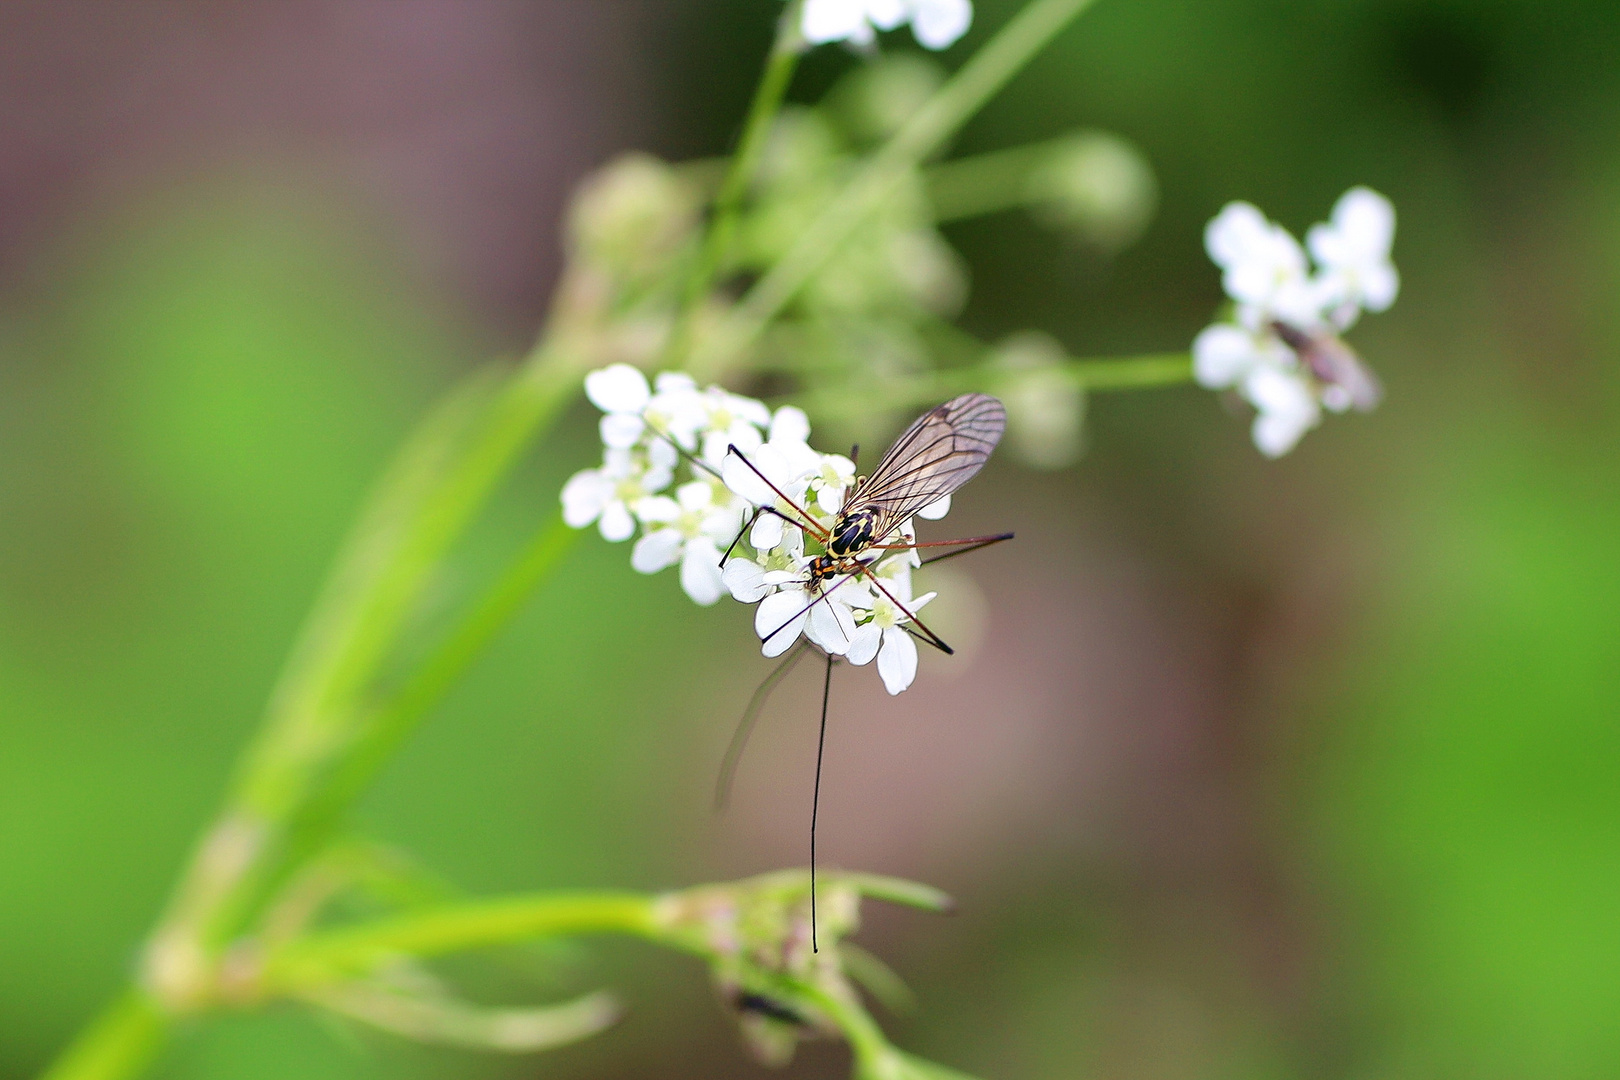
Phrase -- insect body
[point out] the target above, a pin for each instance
(942, 450)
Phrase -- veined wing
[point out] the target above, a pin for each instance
(943, 450)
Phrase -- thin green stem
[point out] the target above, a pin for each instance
(984, 183)
(332, 955)
(121, 1042)
(398, 716)
(925, 133)
(773, 85)
(1092, 374)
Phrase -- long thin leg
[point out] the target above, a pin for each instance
(965, 550)
(758, 512)
(810, 524)
(929, 636)
(745, 726)
(980, 541)
(749, 524)
(822, 595)
(815, 800)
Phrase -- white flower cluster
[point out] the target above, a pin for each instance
(1281, 349)
(935, 23)
(855, 617)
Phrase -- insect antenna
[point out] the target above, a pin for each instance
(815, 799)
(745, 725)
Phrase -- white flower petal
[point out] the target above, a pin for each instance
(621, 429)
(1222, 354)
(700, 571)
(831, 626)
(746, 580)
(674, 382)
(937, 24)
(616, 523)
(657, 510)
(1379, 285)
(864, 645)
(831, 20)
(766, 533)
(1287, 409)
(790, 424)
(936, 509)
(779, 619)
(886, 14)
(897, 661)
(656, 550)
(583, 497)
(1236, 234)
(1275, 434)
(618, 388)
(695, 496)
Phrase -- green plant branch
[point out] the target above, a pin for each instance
(779, 68)
(1091, 374)
(334, 955)
(122, 1041)
(986, 183)
(397, 716)
(924, 134)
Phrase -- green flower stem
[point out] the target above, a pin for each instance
(985, 183)
(122, 1041)
(923, 135)
(1092, 374)
(441, 479)
(335, 955)
(398, 716)
(773, 87)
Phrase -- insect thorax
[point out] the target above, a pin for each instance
(852, 532)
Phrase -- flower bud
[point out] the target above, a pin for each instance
(632, 216)
(1097, 186)
(875, 99)
(1046, 408)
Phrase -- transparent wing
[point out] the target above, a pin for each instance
(943, 450)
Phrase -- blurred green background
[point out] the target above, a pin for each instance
(1294, 769)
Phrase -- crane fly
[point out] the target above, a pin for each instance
(942, 450)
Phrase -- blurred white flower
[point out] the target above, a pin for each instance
(621, 392)
(1264, 265)
(936, 24)
(1353, 253)
(1280, 349)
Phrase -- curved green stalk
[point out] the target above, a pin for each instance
(120, 1042)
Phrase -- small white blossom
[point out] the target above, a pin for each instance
(689, 529)
(1353, 252)
(606, 495)
(936, 24)
(883, 634)
(1280, 349)
(793, 492)
(621, 392)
